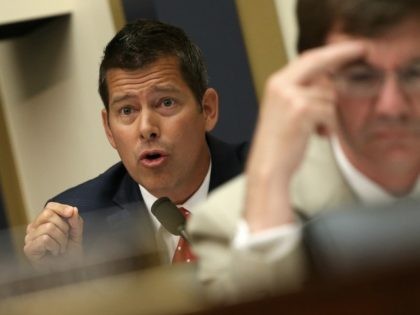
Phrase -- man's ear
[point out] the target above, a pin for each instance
(210, 106)
(108, 132)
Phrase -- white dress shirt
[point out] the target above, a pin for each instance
(285, 237)
(169, 240)
(366, 190)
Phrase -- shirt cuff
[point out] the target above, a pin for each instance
(274, 242)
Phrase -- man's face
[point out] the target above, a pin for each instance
(158, 129)
(379, 128)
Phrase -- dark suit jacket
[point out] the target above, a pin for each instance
(115, 217)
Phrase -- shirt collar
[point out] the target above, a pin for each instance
(197, 197)
(365, 189)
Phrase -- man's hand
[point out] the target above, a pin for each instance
(54, 239)
(298, 101)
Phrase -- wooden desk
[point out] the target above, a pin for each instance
(159, 290)
(396, 292)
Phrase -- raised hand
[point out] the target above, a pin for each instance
(54, 239)
(298, 101)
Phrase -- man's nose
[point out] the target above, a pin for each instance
(392, 100)
(149, 125)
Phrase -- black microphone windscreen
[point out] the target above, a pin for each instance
(168, 215)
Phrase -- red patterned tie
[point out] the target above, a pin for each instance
(183, 253)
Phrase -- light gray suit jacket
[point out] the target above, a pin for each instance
(230, 275)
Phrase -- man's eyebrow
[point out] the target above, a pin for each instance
(357, 63)
(166, 88)
(415, 62)
(157, 89)
(363, 63)
(121, 97)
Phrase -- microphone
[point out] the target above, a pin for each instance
(170, 217)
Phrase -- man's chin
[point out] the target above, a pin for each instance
(156, 185)
(398, 159)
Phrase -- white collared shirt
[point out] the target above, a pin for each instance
(287, 235)
(365, 189)
(169, 240)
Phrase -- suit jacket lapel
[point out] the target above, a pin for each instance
(319, 184)
(130, 218)
(227, 161)
(127, 192)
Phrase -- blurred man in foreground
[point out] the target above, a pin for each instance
(338, 125)
(158, 111)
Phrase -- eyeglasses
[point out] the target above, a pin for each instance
(361, 80)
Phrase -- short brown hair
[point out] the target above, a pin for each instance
(370, 18)
(142, 42)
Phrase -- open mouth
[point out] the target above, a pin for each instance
(152, 158)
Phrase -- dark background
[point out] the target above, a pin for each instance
(3, 221)
(6, 248)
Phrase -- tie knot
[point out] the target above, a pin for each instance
(183, 251)
(184, 212)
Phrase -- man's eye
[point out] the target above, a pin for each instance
(361, 76)
(168, 102)
(126, 111)
(412, 74)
